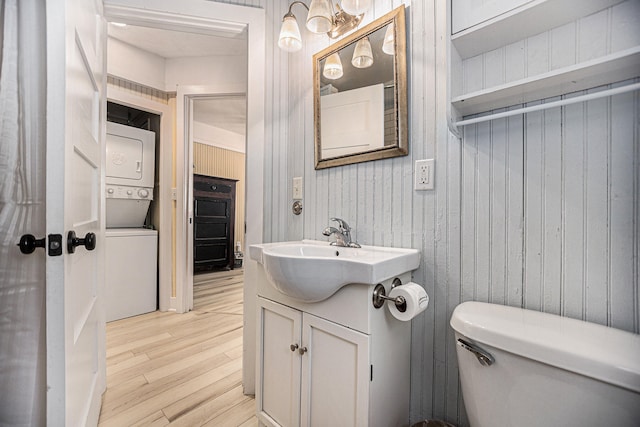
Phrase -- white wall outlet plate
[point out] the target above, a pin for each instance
(424, 174)
(297, 188)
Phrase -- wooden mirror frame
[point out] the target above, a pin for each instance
(397, 17)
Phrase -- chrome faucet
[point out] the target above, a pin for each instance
(342, 233)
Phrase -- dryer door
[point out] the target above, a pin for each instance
(124, 157)
(130, 156)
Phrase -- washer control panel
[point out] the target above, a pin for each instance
(125, 192)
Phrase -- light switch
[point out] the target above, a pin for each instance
(297, 188)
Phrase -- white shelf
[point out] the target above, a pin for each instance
(528, 20)
(607, 69)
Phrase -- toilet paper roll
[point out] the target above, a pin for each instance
(416, 300)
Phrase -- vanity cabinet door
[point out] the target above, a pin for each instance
(278, 379)
(311, 372)
(335, 374)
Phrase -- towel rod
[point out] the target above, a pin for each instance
(560, 103)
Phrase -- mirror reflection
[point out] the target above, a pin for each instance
(360, 96)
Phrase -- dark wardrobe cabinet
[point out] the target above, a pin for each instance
(214, 202)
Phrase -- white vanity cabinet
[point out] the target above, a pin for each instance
(313, 372)
(326, 356)
(337, 362)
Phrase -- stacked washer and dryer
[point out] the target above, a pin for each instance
(131, 249)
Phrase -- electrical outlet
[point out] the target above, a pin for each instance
(424, 174)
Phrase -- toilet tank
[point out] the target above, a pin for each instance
(547, 370)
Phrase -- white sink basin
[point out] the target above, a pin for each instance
(312, 271)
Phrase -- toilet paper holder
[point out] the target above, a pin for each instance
(380, 296)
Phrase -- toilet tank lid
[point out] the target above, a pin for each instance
(607, 354)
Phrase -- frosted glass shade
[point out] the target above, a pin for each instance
(355, 7)
(389, 44)
(333, 67)
(319, 17)
(362, 56)
(290, 39)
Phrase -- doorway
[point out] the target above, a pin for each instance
(219, 146)
(193, 18)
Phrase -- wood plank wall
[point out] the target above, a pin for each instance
(221, 163)
(538, 211)
(606, 32)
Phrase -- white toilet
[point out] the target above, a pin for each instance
(525, 368)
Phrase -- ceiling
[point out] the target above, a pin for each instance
(226, 112)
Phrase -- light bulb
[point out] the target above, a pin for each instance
(319, 17)
(290, 39)
(389, 44)
(362, 55)
(333, 67)
(355, 7)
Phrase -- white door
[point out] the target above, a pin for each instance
(334, 355)
(75, 147)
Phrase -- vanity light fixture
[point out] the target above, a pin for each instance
(319, 16)
(389, 43)
(333, 67)
(356, 7)
(290, 39)
(362, 55)
(321, 19)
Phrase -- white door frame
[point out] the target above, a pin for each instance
(208, 17)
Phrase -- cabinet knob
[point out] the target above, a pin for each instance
(293, 347)
(302, 350)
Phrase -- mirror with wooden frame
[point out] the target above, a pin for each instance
(360, 95)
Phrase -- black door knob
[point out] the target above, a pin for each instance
(28, 243)
(89, 241)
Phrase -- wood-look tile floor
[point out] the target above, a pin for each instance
(180, 369)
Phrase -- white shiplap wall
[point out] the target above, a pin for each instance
(592, 37)
(283, 115)
(539, 211)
